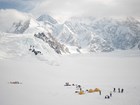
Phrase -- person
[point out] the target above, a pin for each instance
(122, 90)
(76, 91)
(100, 92)
(30, 48)
(107, 97)
(78, 87)
(119, 90)
(73, 84)
(114, 90)
(110, 94)
(87, 90)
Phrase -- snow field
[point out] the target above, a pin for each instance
(44, 84)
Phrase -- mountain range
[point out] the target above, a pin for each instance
(79, 34)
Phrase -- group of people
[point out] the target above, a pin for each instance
(119, 90)
(108, 96)
(33, 50)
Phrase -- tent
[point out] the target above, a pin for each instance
(97, 90)
(81, 92)
(90, 91)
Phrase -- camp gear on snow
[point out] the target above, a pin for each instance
(114, 90)
(15, 82)
(67, 84)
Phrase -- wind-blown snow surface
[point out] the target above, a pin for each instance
(43, 84)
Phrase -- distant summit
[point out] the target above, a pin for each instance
(47, 18)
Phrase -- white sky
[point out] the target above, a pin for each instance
(89, 7)
(76, 7)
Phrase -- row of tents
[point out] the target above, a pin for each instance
(80, 91)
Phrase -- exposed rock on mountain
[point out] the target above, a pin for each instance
(53, 43)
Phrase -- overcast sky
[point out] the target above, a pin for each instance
(76, 7)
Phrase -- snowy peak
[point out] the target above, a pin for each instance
(29, 26)
(47, 18)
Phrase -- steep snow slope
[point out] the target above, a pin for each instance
(67, 36)
(18, 45)
(44, 84)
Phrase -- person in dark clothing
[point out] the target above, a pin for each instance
(73, 84)
(114, 90)
(107, 97)
(122, 90)
(78, 87)
(76, 91)
(119, 90)
(33, 50)
(100, 92)
(110, 94)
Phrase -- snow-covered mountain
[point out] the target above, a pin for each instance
(25, 45)
(93, 34)
(117, 33)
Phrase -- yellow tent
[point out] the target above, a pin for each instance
(90, 91)
(97, 90)
(81, 92)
